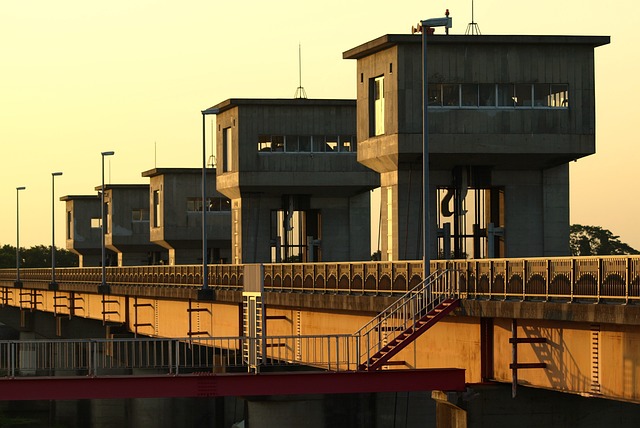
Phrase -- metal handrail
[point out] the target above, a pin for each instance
(403, 314)
(122, 356)
(615, 279)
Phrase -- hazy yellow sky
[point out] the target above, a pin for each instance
(79, 77)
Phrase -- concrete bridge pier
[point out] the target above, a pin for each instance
(448, 415)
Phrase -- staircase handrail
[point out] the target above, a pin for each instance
(409, 308)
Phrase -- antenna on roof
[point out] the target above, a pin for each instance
(472, 27)
(300, 92)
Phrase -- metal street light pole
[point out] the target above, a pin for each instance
(103, 286)
(433, 22)
(53, 284)
(205, 293)
(18, 283)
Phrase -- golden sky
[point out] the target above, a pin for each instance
(81, 77)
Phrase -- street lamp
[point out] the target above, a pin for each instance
(103, 288)
(18, 283)
(53, 285)
(425, 25)
(205, 293)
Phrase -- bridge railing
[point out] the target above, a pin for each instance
(567, 279)
(139, 356)
(613, 278)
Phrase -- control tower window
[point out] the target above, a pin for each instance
(227, 152)
(377, 106)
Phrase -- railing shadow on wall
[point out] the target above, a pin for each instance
(563, 371)
(608, 279)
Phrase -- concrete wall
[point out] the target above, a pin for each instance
(81, 238)
(559, 133)
(127, 235)
(180, 230)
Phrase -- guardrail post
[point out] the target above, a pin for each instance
(627, 277)
(547, 281)
(92, 359)
(524, 279)
(490, 281)
(572, 276)
(600, 274)
(12, 359)
(177, 359)
(170, 356)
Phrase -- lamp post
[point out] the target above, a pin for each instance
(104, 288)
(53, 285)
(433, 22)
(18, 283)
(205, 293)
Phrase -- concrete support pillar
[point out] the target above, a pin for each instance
(448, 415)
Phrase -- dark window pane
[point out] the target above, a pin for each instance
(487, 95)
(470, 95)
(450, 95)
(523, 95)
(541, 95)
(505, 95)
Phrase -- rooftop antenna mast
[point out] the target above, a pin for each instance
(300, 92)
(472, 28)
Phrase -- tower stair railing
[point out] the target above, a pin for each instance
(406, 319)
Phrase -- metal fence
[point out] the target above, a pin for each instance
(140, 356)
(613, 278)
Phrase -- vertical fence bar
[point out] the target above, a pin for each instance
(627, 279)
(93, 358)
(572, 278)
(547, 281)
(12, 358)
(170, 356)
(600, 275)
(524, 279)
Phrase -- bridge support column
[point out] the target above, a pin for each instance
(448, 415)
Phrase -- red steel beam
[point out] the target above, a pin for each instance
(220, 385)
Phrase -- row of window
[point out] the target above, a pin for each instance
(523, 95)
(213, 204)
(307, 143)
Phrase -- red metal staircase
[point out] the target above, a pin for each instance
(406, 319)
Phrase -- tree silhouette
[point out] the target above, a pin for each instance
(596, 241)
(38, 256)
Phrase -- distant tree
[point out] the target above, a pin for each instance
(596, 241)
(7, 256)
(38, 256)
